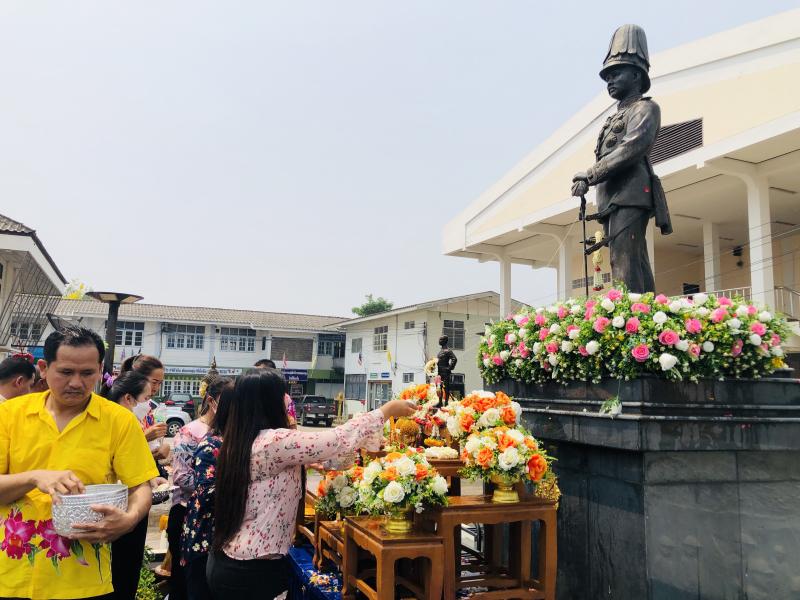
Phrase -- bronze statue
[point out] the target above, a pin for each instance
(446, 361)
(629, 193)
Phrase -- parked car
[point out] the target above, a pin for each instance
(315, 410)
(183, 401)
(174, 416)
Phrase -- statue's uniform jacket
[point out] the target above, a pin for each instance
(621, 174)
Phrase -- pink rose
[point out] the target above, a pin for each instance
(540, 319)
(552, 347)
(498, 360)
(641, 352)
(693, 326)
(775, 340)
(562, 312)
(718, 314)
(614, 295)
(725, 301)
(758, 328)
(589, 313)
(523, 350)
(632, 325)
(640, 307)
(736, 349)
(600, 324)
(668, 337)
(694, 350)
(486, 355)
(661, 299)
(521, 320)
(543, 333)
(590, 303)
(571, 328)
(751, 310)
(583, 351)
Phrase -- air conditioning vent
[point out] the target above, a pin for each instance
(676, 139)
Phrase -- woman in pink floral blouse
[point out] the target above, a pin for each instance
(258, 482)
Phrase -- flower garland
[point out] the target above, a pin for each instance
(622, 335)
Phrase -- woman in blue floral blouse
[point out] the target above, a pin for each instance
(198, 525)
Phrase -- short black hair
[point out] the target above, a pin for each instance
(131, 382)
(265, 362)
(75, 336)
(14, 366)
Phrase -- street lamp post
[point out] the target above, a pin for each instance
(114, 300)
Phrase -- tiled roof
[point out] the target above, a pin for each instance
(11, 226)
(191, 314)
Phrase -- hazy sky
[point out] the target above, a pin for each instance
(293, 156)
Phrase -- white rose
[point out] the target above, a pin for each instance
(634, 297)
(439, 485)
(618, 321)
(660, 317)
(703, 311)
(347, 497)
(487, 331)
(777, 351)
(566, 346)
(492, 339)
(700, 299)
(539, 310)
(517, 408)
(518, 362)
(685, 303)
(574, 334)
(511, 338)
(708, 347)
(371, 471)
(452, 426)
(552, 359)
(555, 328)
(486, 362)
(516, 435)
(473, 444)
(504, 354)
(592, 347)
(675, 306)
(523, 333)
(508, 459)
(607, 304)
(552, 309)
(489, 418)
(734, 324)
(764, 317)
(576, 309)
(393, 493)
(405, 466)
(339, 482)
(667, 361)
(755, 339)
(536, 347)
(741, 311)
(682, 345)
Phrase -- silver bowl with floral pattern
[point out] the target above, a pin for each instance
(75, 508)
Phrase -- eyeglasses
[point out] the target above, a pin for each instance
(24, 355)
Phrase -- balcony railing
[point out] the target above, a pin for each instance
(787, 301)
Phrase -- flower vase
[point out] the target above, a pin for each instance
(399, 520)
(504, 492)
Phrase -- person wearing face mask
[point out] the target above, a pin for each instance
(153, 369)
(130, 390)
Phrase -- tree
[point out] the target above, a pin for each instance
(372, 306)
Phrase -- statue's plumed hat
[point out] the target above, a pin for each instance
(629, 47)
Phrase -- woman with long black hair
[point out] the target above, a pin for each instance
(258, 482)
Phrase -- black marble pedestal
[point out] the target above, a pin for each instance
(692, 492)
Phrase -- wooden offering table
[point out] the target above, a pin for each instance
(517, 582)
(330, 543)
(369, 533)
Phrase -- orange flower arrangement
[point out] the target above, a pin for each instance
(504, 451)
(480, 411)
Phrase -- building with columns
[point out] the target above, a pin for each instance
(728, 155)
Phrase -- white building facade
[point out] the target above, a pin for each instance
(387, 352)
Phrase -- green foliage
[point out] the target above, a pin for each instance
(147, 589)
(373, 306)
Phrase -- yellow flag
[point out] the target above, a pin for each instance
(389, 357)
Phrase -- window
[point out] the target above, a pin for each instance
(408, 378)
(329, 348)
(454, 330)
(181, 386)
(296, 349)
(26, 331)
(130, 333)
(408, 325)
(380, 339)
(355, 346)
(355, 387)
(457, 379)
(191, 337)
(379, 393)
(237, 339)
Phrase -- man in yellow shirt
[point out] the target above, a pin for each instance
(53, 443)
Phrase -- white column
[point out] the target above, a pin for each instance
(650, 237)
(505, 287)
(566, 254)
(711, 255)
(760, 238)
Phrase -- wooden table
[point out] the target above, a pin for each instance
(330, 543)
(517, 583)
(370, 534)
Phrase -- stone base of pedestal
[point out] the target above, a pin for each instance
(692, 492)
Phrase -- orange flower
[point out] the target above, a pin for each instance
(508, 415)
(422, 472)
(464, 455)
(502, 399)
(531, 443)
(505, 442)
(321, 488)
(485, 457)
(393, 456)
(389, 474)
(467, 422)
(537, 467)
(357, 473)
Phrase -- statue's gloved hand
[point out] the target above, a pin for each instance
(580, 187)
(580, 176)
